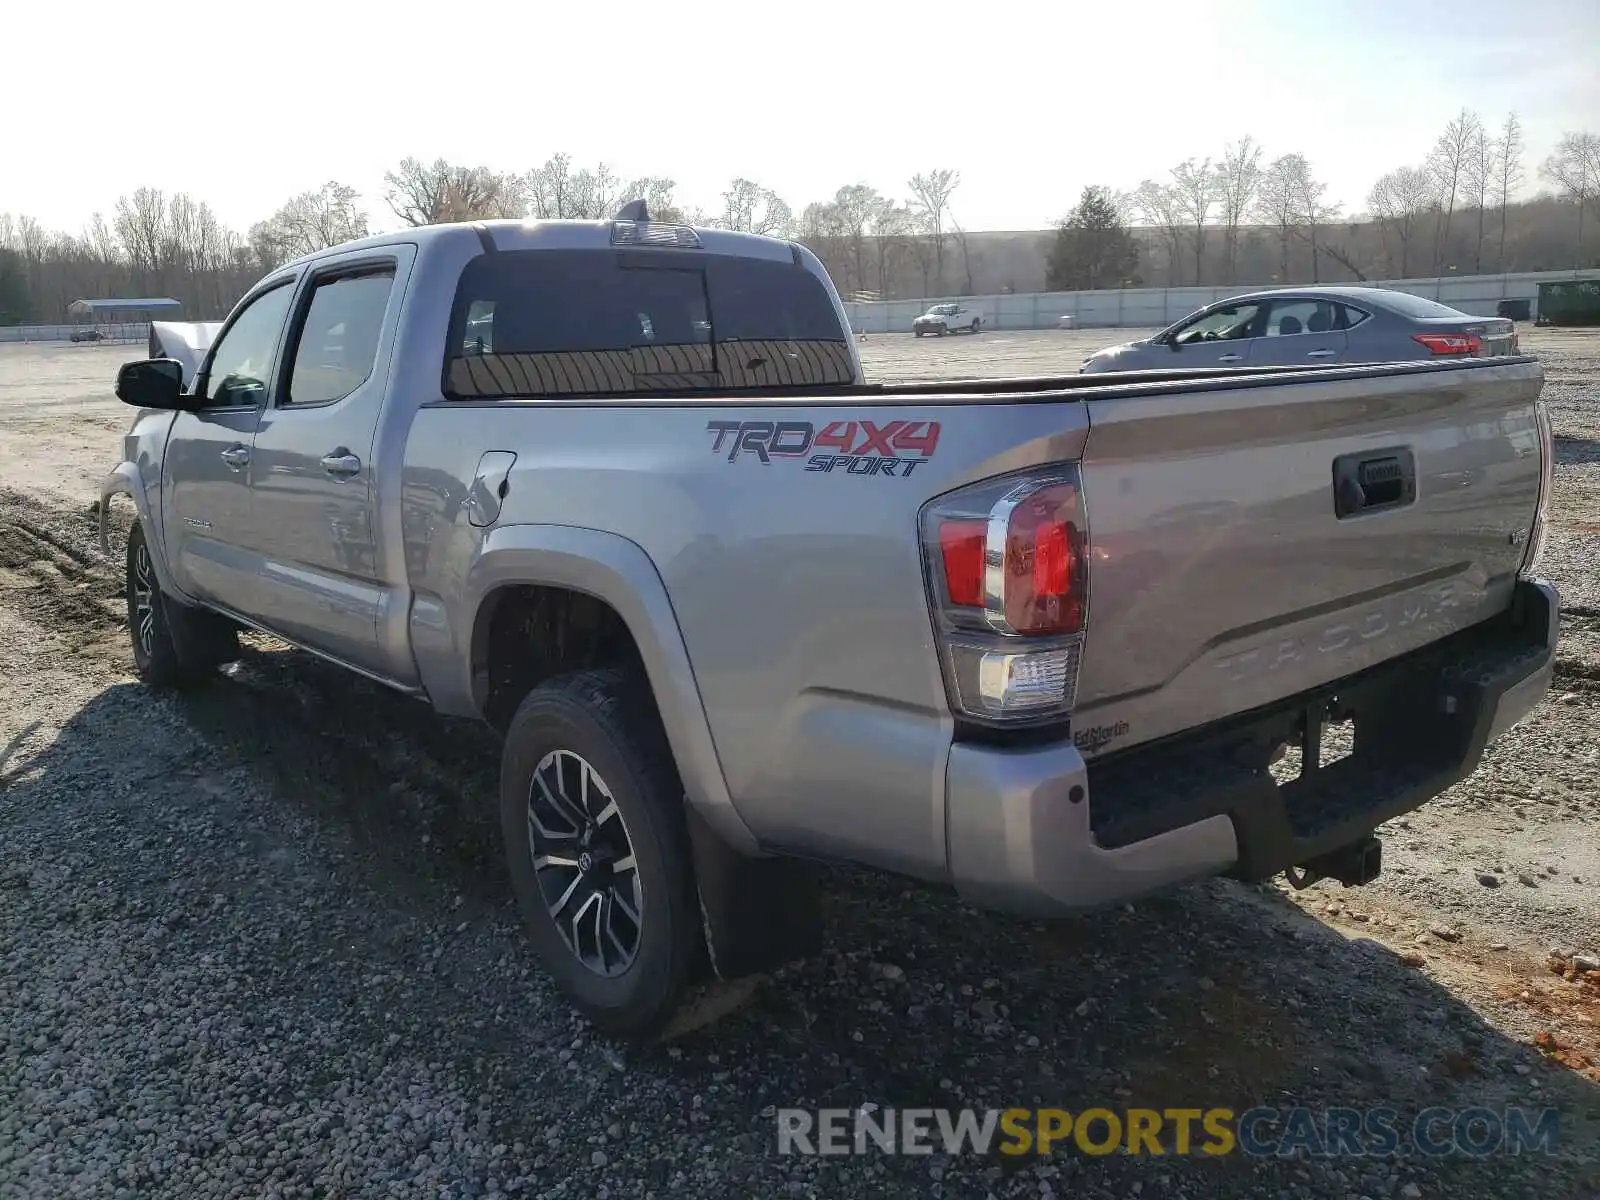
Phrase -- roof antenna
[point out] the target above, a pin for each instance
(634, 210)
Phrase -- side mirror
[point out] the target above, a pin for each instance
(151, 383)
(1172, 342)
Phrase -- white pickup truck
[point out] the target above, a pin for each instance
(948, 318)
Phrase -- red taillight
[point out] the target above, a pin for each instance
(1007, 571)
(1450, 343)
(1042, 563)
(961, 548)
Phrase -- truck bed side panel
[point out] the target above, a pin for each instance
(799, 592)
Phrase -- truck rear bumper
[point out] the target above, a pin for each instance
(1039, 832)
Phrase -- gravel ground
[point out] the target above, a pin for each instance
(259, 943)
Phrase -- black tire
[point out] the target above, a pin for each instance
(973, 328)
(174, 645)
(918, 332)
(607, 720)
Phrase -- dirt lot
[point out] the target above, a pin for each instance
(258, 942)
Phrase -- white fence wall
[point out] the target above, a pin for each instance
(1154, 307)
(121, 331)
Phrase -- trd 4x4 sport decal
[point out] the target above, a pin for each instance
(856, 447)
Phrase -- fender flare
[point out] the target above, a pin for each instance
(617, 571)
(126, 480)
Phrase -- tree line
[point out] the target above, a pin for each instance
(1241, 217)
(1246, 217)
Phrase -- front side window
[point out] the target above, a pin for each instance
(338, 343)
(241, 361)
(586, 322)
(1223, 324)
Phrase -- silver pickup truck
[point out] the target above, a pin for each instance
(618, 489)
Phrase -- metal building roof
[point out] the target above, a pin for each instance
(80, 308)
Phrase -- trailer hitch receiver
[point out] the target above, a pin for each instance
(1358, 863)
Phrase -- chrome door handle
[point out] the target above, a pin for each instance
(237, 456)
(341, 464)
(1231, 358)
(1320, 354)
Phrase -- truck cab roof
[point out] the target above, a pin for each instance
(563, 234)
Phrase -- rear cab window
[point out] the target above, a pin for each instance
(575, 323)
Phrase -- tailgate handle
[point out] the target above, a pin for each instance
(1374, 481)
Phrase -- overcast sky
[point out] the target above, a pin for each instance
(244, 102)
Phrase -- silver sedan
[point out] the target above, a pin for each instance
(1311, 326)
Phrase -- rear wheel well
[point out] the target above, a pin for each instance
(527, 633)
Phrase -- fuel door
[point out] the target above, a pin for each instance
(489, 487)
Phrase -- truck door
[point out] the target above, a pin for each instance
(205, 499)
(314, 482)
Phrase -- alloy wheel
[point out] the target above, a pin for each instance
(584, 863)
(144, 603)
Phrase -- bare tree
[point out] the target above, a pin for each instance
(102, 243)
(1475, 175)
(1194, 189)
(967, 286)
(554, 191)
(750, 208)
(424, 194)
(1398, 200)
(1278, 202)
(310, 222)
(549, 189)
(1314, 213)
(657, 193)
(1157, 206)
(896, 245)
(823, 230)
(1447, 163)
(1574, 167)
(858, 208)
(1238, 181)
(1506, 176)
(930, 200)
(141, 225)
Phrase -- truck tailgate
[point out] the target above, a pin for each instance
(1251, 542)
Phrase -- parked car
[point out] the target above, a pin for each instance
(947, 318)
(86, 335)
(1292, 326)
(731, 608)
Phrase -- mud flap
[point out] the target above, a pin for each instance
(758, 913)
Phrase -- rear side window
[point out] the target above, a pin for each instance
(576, 323)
